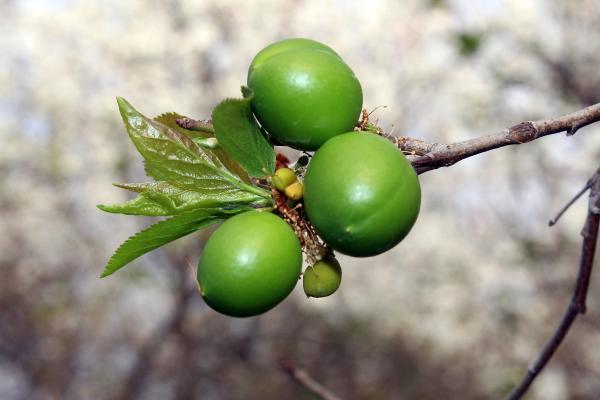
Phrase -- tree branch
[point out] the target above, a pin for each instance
(427, 156)
(304, 379)
(577, 305)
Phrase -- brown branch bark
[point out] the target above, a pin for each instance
(304, 379)
(584, 189)
(577, 305)
(427, 156)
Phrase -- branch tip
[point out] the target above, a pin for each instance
(444, 155)
(577, 304)
(303, 378)
(587, 186)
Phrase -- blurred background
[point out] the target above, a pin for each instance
(456, 311)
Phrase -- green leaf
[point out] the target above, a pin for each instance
(189, 176)
(170, 155)
(169, 120)
(240, 137)
(162, 199)
(160, 234)
(469, 43)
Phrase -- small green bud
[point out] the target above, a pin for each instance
(323, 278)
(283, 178)
(295, 191)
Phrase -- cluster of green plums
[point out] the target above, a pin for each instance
(359, 192)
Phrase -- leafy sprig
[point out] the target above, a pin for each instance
(200, 177)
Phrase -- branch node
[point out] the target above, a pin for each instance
(581, 308)
(185, 123)
(195, 125)
(573, 128)
(523, 132)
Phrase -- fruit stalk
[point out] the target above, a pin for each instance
(312, 245)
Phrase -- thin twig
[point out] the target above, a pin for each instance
(195, 125)
(577, 305)
(427, 156)
(304, 379)
(584, 189)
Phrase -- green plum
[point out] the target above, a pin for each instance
(304, 93)
(286, 45)
(323, 278)
(361, 194)
(249, 264)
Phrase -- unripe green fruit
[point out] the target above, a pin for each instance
(323, 278)
(286, 45)
(249, 264)
(283, 178)
(304, 93)
(361, 194)
(294, 191)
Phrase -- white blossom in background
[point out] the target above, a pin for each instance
(480, 270)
